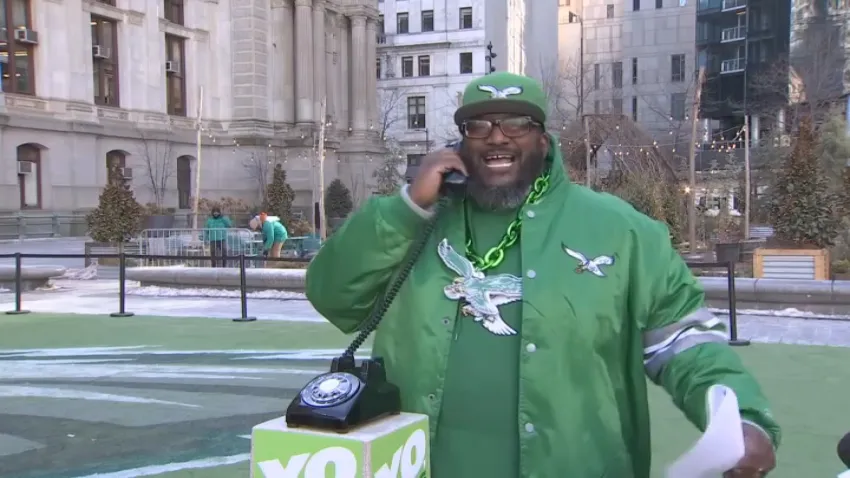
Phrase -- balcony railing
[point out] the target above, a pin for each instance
(732, 66)
(733, 34)
(733, 5)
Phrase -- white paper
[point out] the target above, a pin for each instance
(721, 447)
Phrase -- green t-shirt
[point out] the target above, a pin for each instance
(477, 430)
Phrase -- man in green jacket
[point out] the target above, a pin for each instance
(528, 324)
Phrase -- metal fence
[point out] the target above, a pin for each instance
(185, 244)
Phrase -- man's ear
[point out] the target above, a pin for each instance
(544, 144)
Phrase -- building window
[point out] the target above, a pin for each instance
(29, 176)
(174, 11)
(634, 71)
(677, 106)
(381, 26)
(634, 108)
(617, 105)
(175, 78)
(104, 45)
(414, 159)
(636, 5)
(19, 72)
(107, 2)
(466, 18)
(416, 112)
(402, 22)
(597, 77)
(596, 107)
(115, 160)
(677, 68)
(465, 63)
(406, 66)
(184, 182)
(424, 65)
(659, 4)
(427, 20)
(378, 68)
(617, 74)
(609, 11)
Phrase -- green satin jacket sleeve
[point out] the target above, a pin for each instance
(685, 346)
(354, 266)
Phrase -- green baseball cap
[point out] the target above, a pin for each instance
(503, 93)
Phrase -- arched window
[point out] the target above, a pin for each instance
(116, 159)
(184, 181)
(29, 176)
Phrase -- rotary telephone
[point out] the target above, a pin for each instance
(350, 395)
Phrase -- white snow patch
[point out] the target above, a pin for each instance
(157, 291)
(89, 273)
(788, 312)
(25, 370)
(295, 354)
(14, 391)
(171, 467)
(4, 290)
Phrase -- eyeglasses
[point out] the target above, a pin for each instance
(510, 127)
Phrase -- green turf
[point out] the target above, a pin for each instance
(38, 330)
(804, 384)
(807, 385)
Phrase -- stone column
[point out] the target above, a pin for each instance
(283, 93)
(359, 80)
(319, 74)
(371, 61)
(332, 64)
(303, 61)
(343, 84)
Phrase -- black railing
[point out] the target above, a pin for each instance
(733, 300)
(243, 287)
(122, 275)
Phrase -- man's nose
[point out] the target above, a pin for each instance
(496, 135)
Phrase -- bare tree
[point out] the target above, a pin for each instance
(389, 177)
(569, 86)
(390, 109)
(811, 81)
(260, 164)
(159, 163)
(671, 119)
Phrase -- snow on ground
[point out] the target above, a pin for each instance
(101, 297)
(787, 312)
(156, 291)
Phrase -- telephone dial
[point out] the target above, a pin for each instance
(350, 395)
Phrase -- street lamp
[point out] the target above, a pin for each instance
(489, 58)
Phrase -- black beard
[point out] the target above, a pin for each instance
(509, 196)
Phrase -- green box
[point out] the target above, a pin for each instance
(394, 447)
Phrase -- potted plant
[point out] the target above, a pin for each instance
(804, 214)
(158, 216)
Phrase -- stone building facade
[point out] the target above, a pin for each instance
(122, 81)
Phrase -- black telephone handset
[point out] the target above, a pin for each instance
(350, 394)
(454, 182)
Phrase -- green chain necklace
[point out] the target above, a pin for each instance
(496, 254)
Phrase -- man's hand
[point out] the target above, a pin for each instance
(425, 190)
(759, 458)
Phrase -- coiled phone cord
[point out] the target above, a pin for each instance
(380, 309)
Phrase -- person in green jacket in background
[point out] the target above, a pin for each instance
(274, 234)
(529, 324)
(215, 235)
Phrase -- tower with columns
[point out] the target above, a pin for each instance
(304, 52)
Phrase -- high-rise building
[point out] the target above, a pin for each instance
(429, 51)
